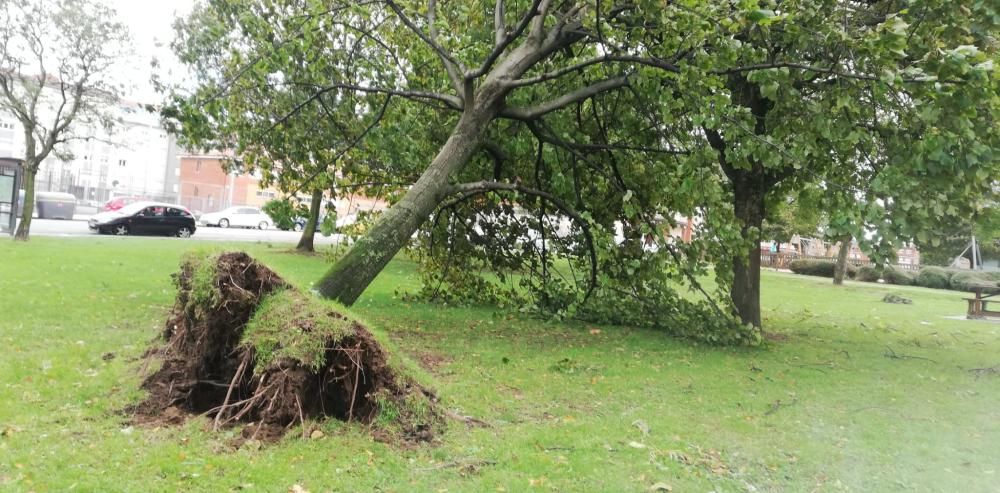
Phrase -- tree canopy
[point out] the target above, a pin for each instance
(582, 130)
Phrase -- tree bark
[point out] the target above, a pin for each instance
(309, 232)
(349, 277)
(24, 227)
(841, 267)
(749, 209)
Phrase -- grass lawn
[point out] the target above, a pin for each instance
(854, 394)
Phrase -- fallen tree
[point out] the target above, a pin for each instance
(243, 347)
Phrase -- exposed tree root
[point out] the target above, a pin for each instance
(245, 348)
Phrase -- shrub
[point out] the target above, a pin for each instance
(968, 280)
(868, 274)
(933, 277)
(900, 277)
(822, 268)
(283, 212)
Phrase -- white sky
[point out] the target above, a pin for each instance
(150, 23)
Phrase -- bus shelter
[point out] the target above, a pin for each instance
(10, 185)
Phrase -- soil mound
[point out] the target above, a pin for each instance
(244, 347)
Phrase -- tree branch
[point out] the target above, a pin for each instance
(534, 112)
(822, 70)
(352, 145)
(507, 39)
(499, 28)
(465, 190)
(450, 67)
(450, 63)
(651, 62)
(452, 102)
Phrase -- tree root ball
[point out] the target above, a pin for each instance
(245, 348)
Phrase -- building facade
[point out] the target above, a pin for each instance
(133, 158)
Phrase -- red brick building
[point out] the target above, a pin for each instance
(206, 187)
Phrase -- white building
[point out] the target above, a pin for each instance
(136, 158)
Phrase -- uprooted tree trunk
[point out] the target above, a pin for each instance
(357, 269)
(481, 97)
(309, 232)
(245, 348)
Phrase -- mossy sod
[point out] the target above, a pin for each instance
(245, 348)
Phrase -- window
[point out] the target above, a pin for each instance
(155, 211)
(6, 126)
(174, 212)
(121, 162)
(248, 210)
(197, 166)
(266, 194)
(195, 191)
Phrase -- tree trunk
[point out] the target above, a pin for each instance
(349, 277)
(24, 228)
(841, 268)
(309, 232)
(745, 291)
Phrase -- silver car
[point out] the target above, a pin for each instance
(237, 216)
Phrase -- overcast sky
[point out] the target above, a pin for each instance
(151, 26)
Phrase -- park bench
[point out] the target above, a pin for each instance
(978, 305)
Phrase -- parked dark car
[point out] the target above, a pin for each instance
(145, 218)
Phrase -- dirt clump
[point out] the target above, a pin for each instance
(244, 348)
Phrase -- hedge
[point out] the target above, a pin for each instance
(933, 277)
(868, 274)
(821, 268)
(900, 277)
(967, 280)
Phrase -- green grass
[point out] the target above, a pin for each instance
(822, 409)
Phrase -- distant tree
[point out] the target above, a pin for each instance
(56, 58)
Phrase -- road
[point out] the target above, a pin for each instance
(78, 227)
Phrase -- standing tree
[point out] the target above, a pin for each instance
(55, 61)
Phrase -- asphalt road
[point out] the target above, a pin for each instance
(78, 227)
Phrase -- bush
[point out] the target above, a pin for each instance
(283, 212)
(900, 277)
(968, 280)
(933, 277)
(821, 268)
(868, 274)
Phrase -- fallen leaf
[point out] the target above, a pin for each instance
(594, 332)
(636, 445)
(297, 489)
(661, 487)
(316, 434)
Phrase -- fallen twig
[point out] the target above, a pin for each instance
(889, 353)
(777, 405)
(469, 420)
(467, 464)
(980, 372)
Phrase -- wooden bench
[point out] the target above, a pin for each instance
(978, 305)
